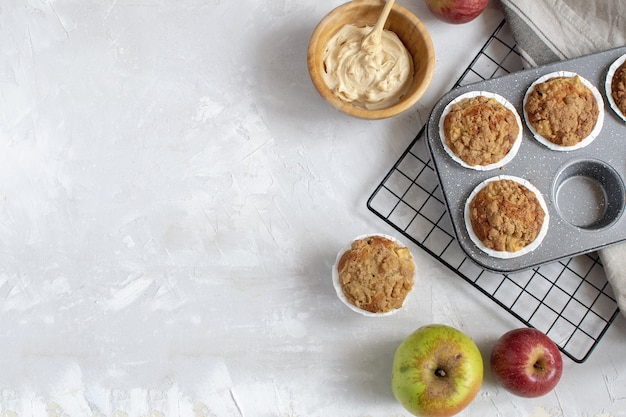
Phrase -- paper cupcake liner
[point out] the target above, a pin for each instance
(516, 144)
(607, 85)
(506, 254)
(596, 129)
(337, 284)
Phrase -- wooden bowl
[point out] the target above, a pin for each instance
(365, 13)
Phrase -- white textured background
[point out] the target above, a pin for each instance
(173, 193)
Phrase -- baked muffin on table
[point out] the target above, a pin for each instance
(480, 130)
(505, 215)
(563, 110)
(375, 274)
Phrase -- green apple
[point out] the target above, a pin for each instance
(437, 371)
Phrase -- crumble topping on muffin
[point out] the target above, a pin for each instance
(480, 130)
(506, 216)
(618, 88)
(562, 110)
(376, 274)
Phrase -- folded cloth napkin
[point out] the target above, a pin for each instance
(547, 31)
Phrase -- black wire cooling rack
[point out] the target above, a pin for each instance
(570, 300)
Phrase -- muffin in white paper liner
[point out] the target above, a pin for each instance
(597, 127)
(514, 148)
(608, 84)
(506, 254)
(339, 289)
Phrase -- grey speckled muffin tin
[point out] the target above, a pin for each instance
(583, 188)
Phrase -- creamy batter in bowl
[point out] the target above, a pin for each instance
(361, 14)
(365, 73)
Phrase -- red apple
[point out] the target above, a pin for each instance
(526, 362)
(456, 11)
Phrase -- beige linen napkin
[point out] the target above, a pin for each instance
(547, 31)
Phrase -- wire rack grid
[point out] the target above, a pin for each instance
(570, 300)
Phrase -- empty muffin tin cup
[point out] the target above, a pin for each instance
(589, 194)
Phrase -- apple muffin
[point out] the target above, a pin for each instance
(376, 274)
(562, 110)
(618, 88)
(480, 130)
(505, 215)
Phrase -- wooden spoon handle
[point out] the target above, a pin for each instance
(380, 23)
